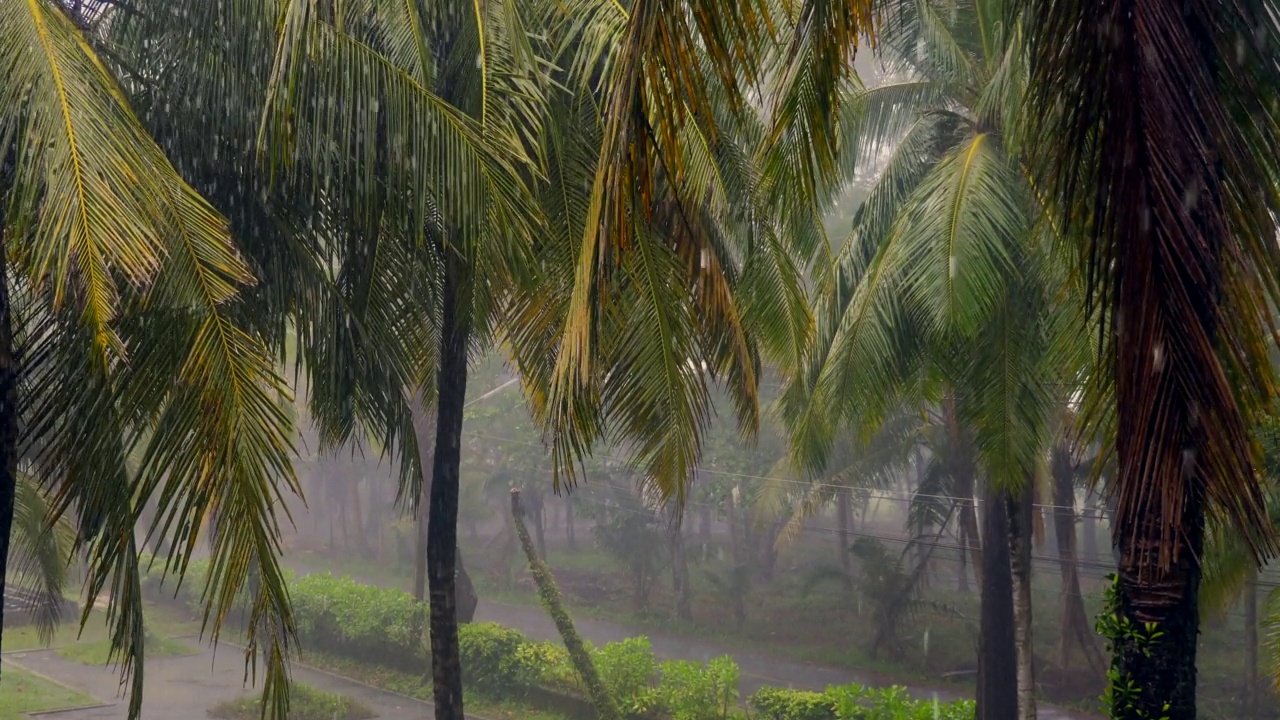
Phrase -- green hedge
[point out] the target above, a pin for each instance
(374, 625)
(855, 702)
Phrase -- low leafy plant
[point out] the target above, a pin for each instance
(492, 663)
(692, 691)
(779, 704)
(630, 672)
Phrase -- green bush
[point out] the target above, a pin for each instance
(855, 702)
(779, 704)
(552, 663)
(492, 663)
(693, 691)
(362, 622)
(629, 671)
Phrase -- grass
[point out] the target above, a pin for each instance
(306, 703)
(69, 632)
(98, 652)
(23, 692)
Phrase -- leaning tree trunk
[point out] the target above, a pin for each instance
(8, 422)
(442, 523)
(1074, 622)
(997, 668)
(1019, 508)
(549, 594)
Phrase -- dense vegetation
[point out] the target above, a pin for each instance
(240, 233)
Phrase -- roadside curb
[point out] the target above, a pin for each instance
(59, 683)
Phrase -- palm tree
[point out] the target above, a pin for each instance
(1162, 164)
(118, 335)
(948, 286)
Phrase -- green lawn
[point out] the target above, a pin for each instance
(158, 619)
(22, 692)
(99, 652)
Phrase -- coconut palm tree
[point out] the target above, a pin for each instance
(379, 156)
(1160, 156)
(118, 335)
(948, 286)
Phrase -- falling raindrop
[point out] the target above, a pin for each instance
(1190, 196)
(1157, 357)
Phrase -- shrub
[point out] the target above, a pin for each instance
(855, 702)
(552, 663)
(629, 672)
(693, 691)
(363, 622)
(492, 663)
(779, 704)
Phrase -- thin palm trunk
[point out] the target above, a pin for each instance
(568, 523)
(1019, 508)
(969, 534)
(997, 669)
(1075, 621)
(442, 524)
(424, 432)
(681, 587)
(843, 513)
(1251, 644)
(8, 423)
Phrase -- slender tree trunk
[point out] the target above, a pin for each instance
(568, 523)
(969, 534)
(8, 420)
(442, 524)
(549, 594)
(1089, 526)
(731, 516)
(467, 598)
(843, 516)
(1020, 509)
(362, 542)
(1251, 648)
(681, 588)
(1075, 621)
(997, 692)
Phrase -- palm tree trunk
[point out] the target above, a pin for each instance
(8, 421)
(420, 547)
(843, 513)
(568, 523)
(1251, 647)
(1019, 508)
(442, 523)
(1075, 621)
(1165, 668)
(681, 588)
(997, 669)
(1089, 526)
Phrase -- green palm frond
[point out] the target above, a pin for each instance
(39, 552)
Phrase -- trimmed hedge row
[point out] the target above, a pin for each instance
(382, 626)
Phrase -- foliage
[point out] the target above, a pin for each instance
(492, 661)
(779, 704)
(1123, 697)
(855, 702)
(305, 703)
(630, 672)
(690, 690)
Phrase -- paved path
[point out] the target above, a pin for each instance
(758, 669)
(184, 688)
